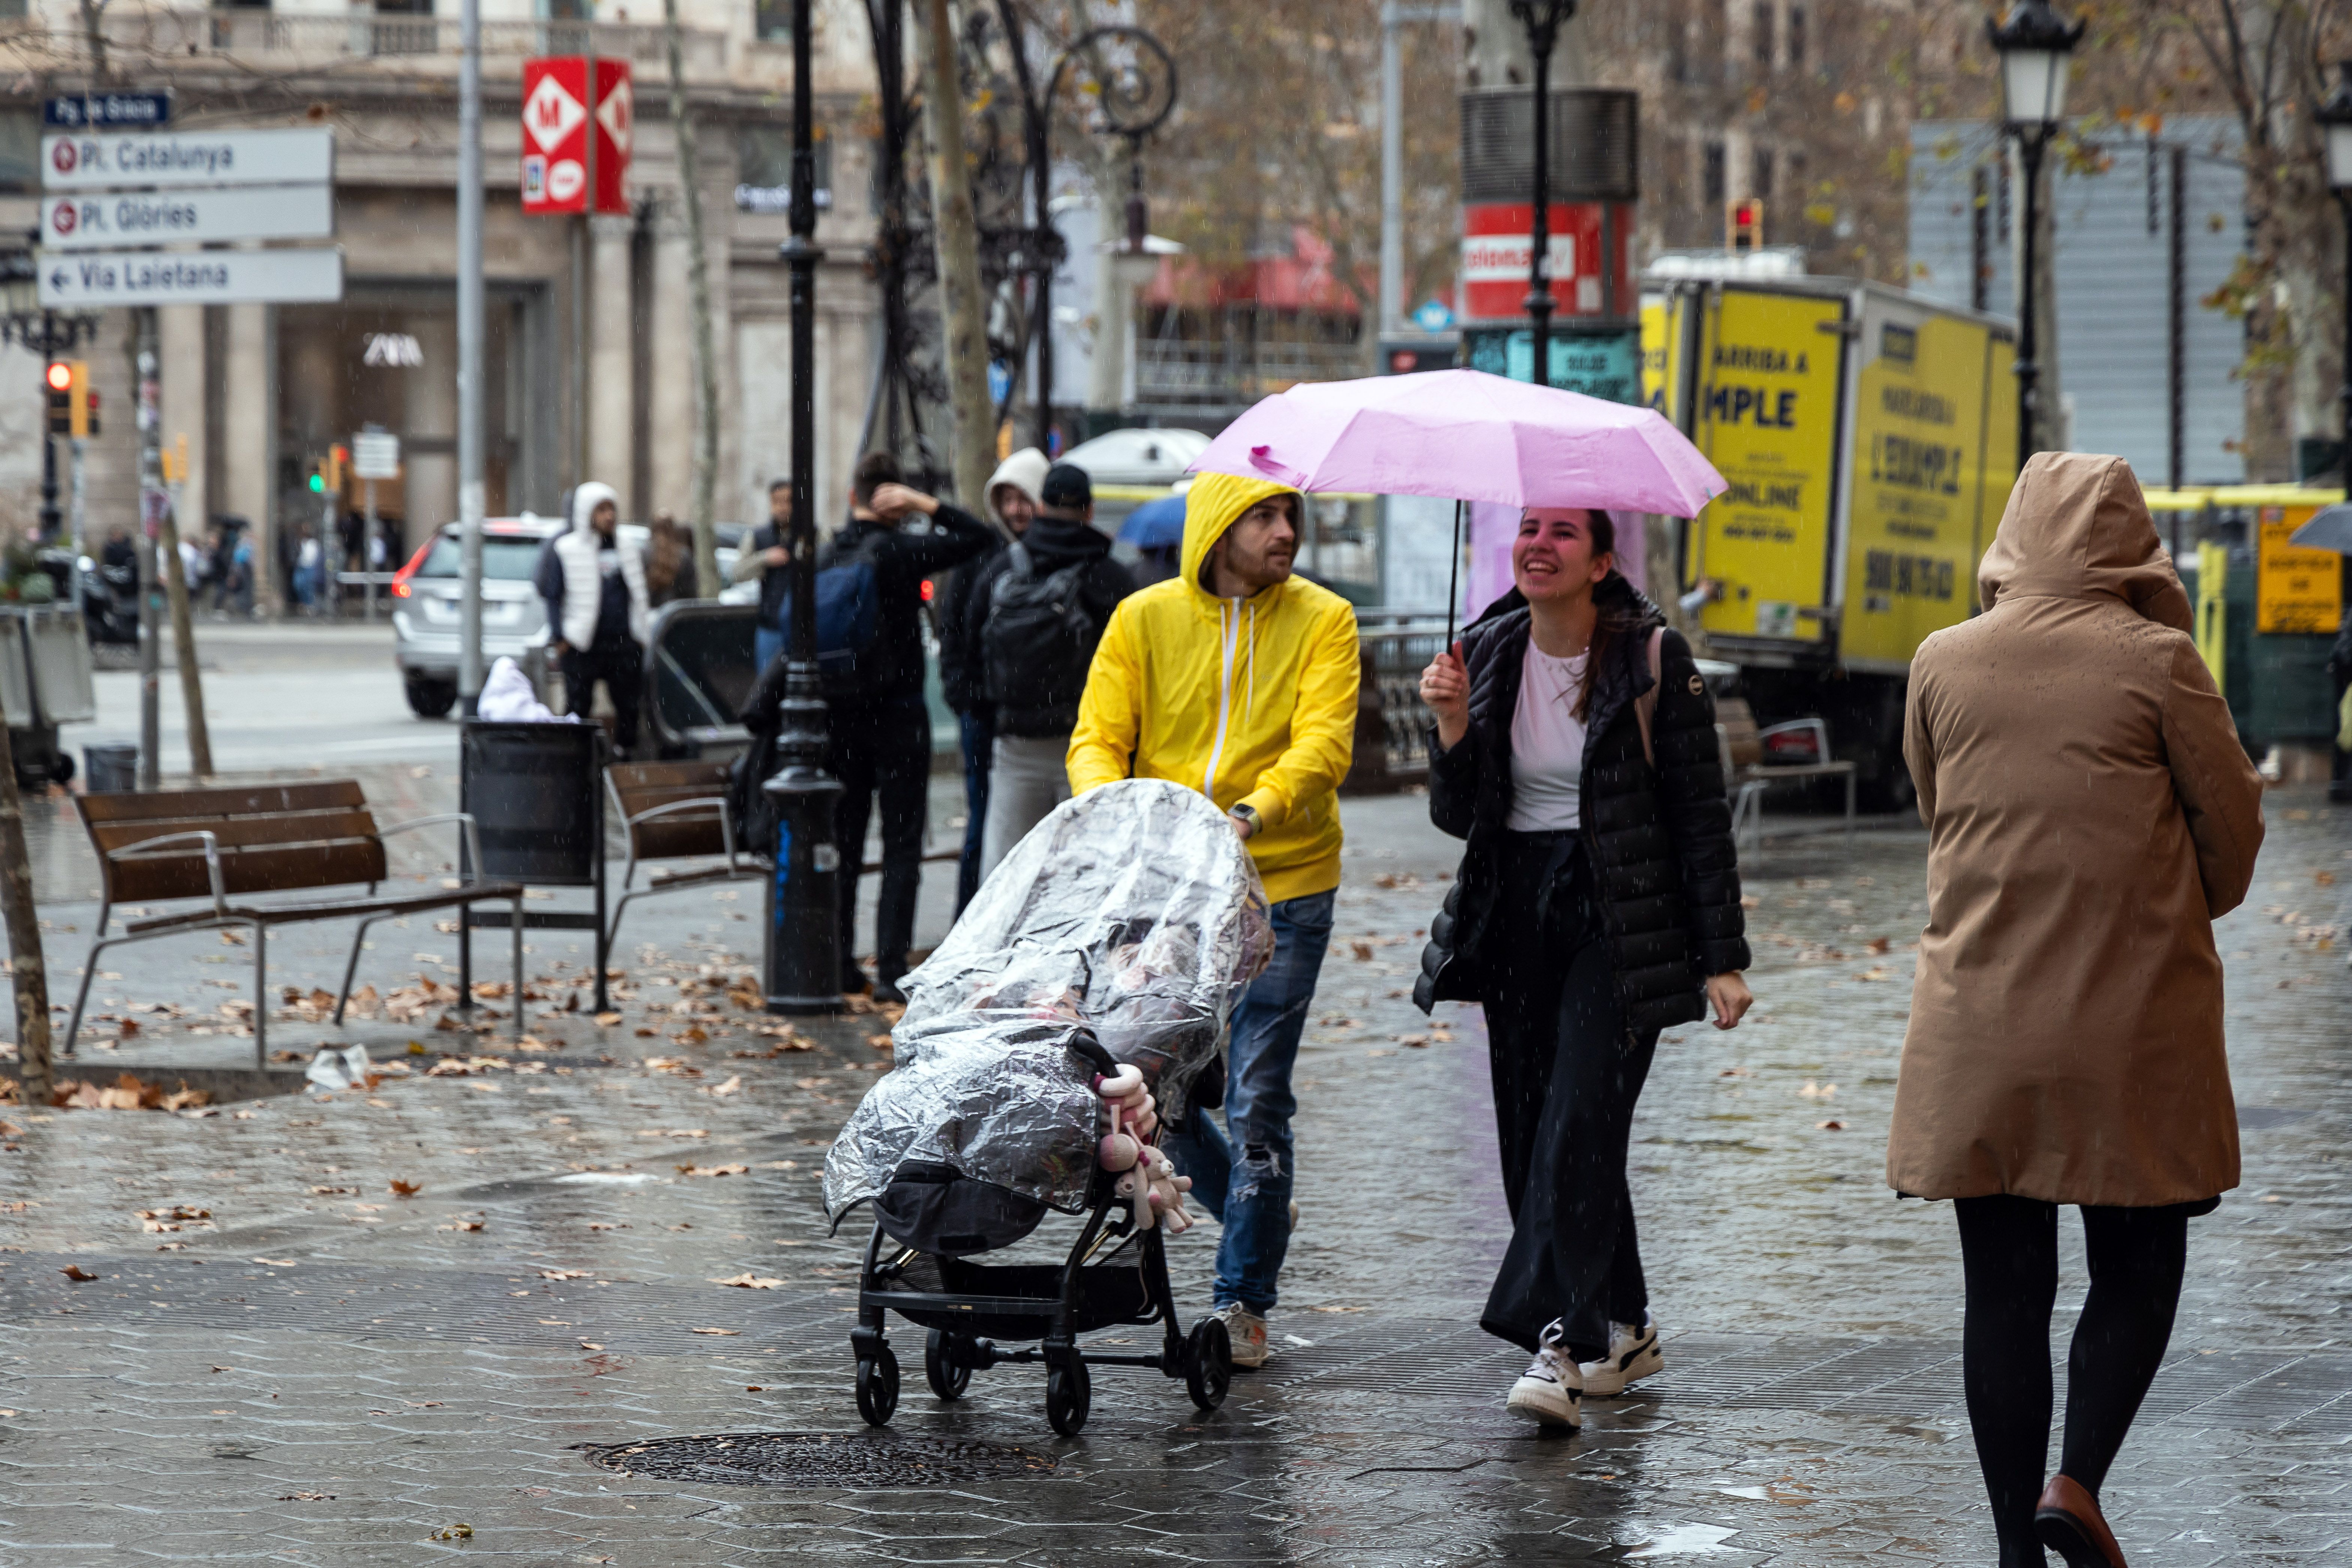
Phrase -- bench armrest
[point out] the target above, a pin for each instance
(700, 802)
(464, 818)
(211, 841)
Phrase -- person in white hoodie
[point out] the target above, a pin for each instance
(594, 584)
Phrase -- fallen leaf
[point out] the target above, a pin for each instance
(277, 1262)
(461, 1225)
(730, 1086)
(722, 1333)
(1362, 950)
(750, 1282)
(735, 1170)
(405, 1189)
(307, 1497)
(566, 1273)
(606, 1020)
(73, 1271)
(1831, 1126)
(453, 1532)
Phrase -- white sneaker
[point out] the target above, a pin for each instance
(1246, 1330)
(1633, 1354)
(1552, 1388)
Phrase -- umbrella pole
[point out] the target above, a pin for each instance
(1454, 580)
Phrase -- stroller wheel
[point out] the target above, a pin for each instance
(1208, 1362)
(947, 1373)
(877, 1388)
(1067, 1395)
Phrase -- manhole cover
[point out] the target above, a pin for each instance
(818, 1460)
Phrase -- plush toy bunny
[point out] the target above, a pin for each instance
(1147, 1180)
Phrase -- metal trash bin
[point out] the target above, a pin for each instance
(110, 770)
(536, 793)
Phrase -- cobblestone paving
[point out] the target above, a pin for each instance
(324, 1371)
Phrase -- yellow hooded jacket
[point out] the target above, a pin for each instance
(1248, 701)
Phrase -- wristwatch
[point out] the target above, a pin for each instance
(1249, 818)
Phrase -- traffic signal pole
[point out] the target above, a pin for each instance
(152, 517)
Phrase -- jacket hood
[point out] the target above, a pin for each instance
(1213, 504)
(2078, 527)
(1024, 470)
(1054, 543)
(585, 500)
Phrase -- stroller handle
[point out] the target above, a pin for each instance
(1086, 1044)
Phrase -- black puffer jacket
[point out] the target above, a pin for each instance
(1659, 836)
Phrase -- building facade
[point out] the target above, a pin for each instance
(588, 360)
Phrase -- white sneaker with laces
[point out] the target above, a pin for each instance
(1246, 1330)
(1551, 1390)
(1633, 1354)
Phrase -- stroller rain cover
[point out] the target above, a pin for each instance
(1133, 914)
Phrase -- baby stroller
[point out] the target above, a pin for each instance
(1111, 944)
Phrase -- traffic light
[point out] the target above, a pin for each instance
(1743, 226)
(326, 478)
(58, 378)
(83, 406)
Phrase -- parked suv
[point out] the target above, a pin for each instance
(426, 608)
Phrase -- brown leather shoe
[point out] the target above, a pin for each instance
(2069, 1521)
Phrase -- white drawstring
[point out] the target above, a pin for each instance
(1224, 697)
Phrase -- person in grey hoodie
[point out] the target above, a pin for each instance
(594, 584)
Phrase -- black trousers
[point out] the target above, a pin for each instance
(1567, 1073)
(620, 664)
(881, 748)
(2010, 1249)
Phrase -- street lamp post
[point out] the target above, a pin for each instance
(2033, 45)
(800, 947)
(1132, 101)
(2334, 118)
(1543, 20)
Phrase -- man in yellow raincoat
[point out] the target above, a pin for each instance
(1239, 680)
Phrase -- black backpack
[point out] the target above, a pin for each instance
(1037, 645)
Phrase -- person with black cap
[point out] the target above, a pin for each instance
(1035, 612)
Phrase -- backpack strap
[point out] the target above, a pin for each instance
(1645, 707)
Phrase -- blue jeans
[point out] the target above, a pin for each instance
(1251, 1196)
(978, 731)
(767, 646)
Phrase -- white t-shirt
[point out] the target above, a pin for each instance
(1547, 744)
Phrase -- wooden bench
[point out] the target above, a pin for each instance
(1748, 772)
(677, 811)
(224, 844)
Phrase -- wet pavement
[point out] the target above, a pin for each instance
(319, 1369)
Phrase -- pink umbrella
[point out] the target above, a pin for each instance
(1472, 437)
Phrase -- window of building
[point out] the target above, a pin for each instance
(567, 10)
(772, 21)
(1764, 32)
(12, 10)
(1759, 184)
(764, 173)
(403, 7)
(1715, 185)
(1796, 36)
(20, 149)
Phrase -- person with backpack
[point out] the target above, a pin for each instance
(870, 580)
(1037, 609)
(1598, 903)
(1012, 493)
(1239, 679)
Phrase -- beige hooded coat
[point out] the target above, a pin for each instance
(2090, 812)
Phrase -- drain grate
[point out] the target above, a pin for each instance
(853, 1460)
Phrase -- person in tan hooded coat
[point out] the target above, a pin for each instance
(2089, 814)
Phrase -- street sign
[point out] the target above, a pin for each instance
(83, 112)
(556, 125)
(91, 280)
(1434, 316)
(179, 158)
(109, 221)
(375, 455)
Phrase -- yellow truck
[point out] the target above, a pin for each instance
(1869, 439)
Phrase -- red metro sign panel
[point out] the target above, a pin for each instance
(1588, 253)
(556, 128)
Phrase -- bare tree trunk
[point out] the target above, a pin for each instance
(25, 965)
(964, 337)
(705, 352)
(93, 20)
(183, 646)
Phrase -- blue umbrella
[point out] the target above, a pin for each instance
(1155, 525)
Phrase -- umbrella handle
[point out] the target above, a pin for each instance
(1454, 576)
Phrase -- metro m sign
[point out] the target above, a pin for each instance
(556, 127)
(1589, 250)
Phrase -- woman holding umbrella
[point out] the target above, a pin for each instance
(1598, 903)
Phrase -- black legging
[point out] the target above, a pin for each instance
(2009, 1247)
